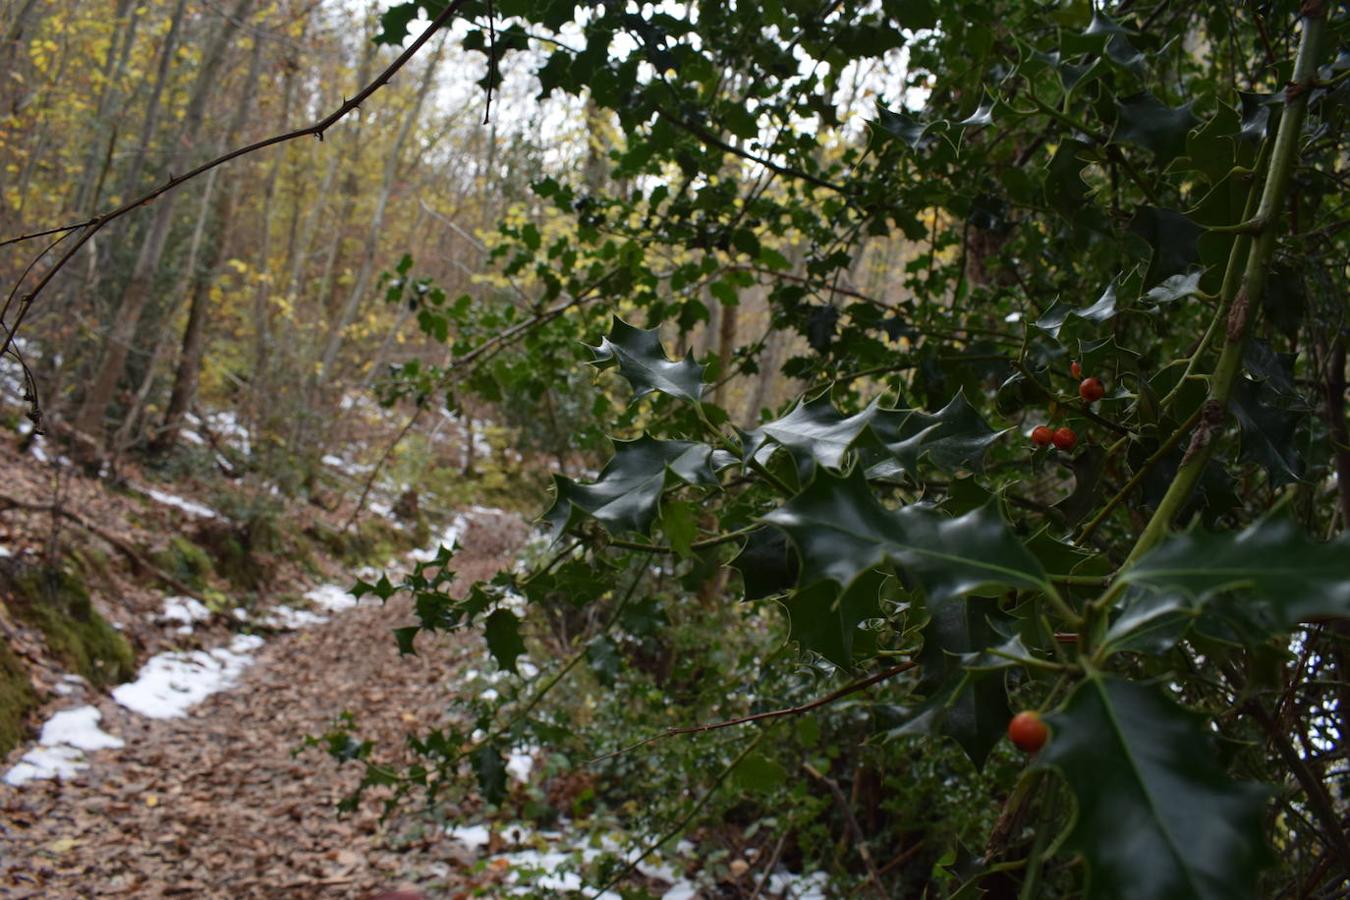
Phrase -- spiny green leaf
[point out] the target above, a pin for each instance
(627, 495)
(824, 619)
(814, 429)
(1144, 120)
(642, 360)
(841, 530)
(955, 437)
(766, 564)
(1268, 428)
(1156, 816)
(1298, 578)
(502, 630)
(1059, 312)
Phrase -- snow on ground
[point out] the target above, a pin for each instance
(286, 618)
(170, 684)
(185, 612)
(449, 539)
(190, 507)
(60, 750)
(330, 597)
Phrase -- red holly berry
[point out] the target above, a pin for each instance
(1064, 438)
(1075, 369)
(1027, 731)
(1091, 390)
(1041, 436)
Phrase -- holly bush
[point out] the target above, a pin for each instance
(1123, 224)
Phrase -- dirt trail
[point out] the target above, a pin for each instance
(216, 805)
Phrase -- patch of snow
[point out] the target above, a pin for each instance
(78, 728)
(804, 887)
(448, 539)
(331, 597)
(684, 889)
(61, 746)
(520, 764)
(46, 763)
(287, 618)
(184, 611)
(192, 437)
(190, 507)
(170, 684)
(475, 837)
(5, 551)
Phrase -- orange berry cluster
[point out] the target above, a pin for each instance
(1064, 438)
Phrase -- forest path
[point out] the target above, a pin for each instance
(215, 804)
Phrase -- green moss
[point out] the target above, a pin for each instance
(185, 561)
(373, 542)
(16, 699)
(56, 602)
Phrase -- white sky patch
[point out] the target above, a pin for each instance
(170, 684)
(65, 738)
(190, 507)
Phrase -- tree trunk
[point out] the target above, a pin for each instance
(362, 284)
(89, 419)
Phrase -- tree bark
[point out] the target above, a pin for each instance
(89, 419)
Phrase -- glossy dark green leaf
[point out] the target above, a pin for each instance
(1156, 816)
(1268, 429)
(814, 429)
(1174, 239)
(971, 707)
(1144, 120)
(502, 630)
(841, 530)
(766, 563)
(1298, 578)
(1061, 311)
(490, 768)
(627, 495)
(824, 619)
(642, 360)
(955, 437)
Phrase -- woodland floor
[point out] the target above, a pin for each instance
(217, 804)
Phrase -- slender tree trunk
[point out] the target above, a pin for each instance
(362, 284)
(89, 419)
(166, 54)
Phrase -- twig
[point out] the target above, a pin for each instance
(126, 549)
(852, 821)
(853, 688)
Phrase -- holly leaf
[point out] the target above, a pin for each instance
(642, 360)
(954, 437)
(766, 564)
(814, 429)
(1142, 119)
(825, 620)
(394, 22)
(970, 707)
(1268, 428)
(1298, 578)
(1156, 816)
(490, 768)
(841, 530)
(627, 495)
(1059, 312)
(502, 630)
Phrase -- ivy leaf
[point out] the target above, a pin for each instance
(642, 360)
(502, 630)
(1156, 816)
(1144, 120)
(841, 530)
(953, 438)
(627, 495)
(814, 429)
(1299, 579)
